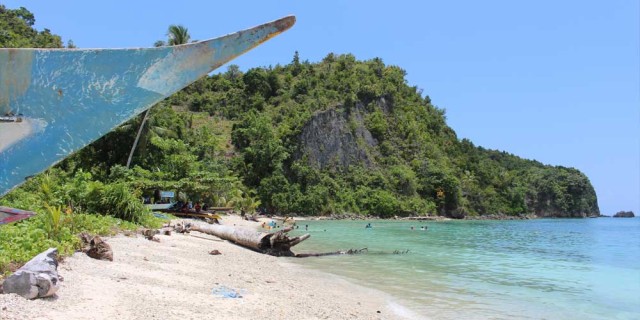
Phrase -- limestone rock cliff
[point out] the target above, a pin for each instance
(337, 138)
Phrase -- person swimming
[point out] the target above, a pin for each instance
(368, 226)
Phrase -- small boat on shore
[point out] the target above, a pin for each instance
(177, 210)
(10, 118)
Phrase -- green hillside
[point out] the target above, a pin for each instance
(337, 136)
(343, 135)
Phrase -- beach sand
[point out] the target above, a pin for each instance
(175, 278)
(12, 132)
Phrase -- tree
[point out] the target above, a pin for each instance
(16, 31)
(233, 72)
(178, 35)
(263, 152)
(149, 127)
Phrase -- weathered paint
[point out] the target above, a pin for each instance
(15, 75)
(8, 215)
(69, 97)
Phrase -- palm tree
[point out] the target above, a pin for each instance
(249, 205)
(177, 34)
(246, 202)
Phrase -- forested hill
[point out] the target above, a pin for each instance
(336, 136)
(343, 135)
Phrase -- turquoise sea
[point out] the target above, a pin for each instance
(525, 269)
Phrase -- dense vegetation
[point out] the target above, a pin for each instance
(235, 133)
(408, 160)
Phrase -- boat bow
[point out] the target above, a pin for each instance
(68, 98)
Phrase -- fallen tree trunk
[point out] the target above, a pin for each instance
(275, 244)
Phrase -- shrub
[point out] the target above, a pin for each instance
(21, 241)
(120, 201)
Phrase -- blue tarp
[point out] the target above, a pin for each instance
(221, 291)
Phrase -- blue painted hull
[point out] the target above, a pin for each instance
(56, 101)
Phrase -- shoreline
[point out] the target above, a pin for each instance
(13, 132)
(177, 278)
(354, 217)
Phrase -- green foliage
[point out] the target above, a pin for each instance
(419, 160)
(177, 34)
(263, 152)
(16, 31)
(67, 205)
(53, 221)
(404, 180)
(21, 241)
(120, 201)
(377, 124)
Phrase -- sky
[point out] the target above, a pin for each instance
(554, 81)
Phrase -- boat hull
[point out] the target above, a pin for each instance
(68, 98)
(8, 215)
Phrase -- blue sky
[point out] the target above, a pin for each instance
(555, 81)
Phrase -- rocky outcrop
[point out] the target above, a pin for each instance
(38, 278)
(96, 248)
(624, 214)
(337, 138)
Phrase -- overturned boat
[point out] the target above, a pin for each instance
(68, 98)
(11, 118)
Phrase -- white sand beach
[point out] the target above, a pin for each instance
(12, 132)
(175, 279)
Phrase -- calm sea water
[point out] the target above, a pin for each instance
(530, 269)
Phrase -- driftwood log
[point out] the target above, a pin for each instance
(334, 253)
(275, 244)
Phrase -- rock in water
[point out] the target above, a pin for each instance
(624, 214)
(38, 278)
(100, 250)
